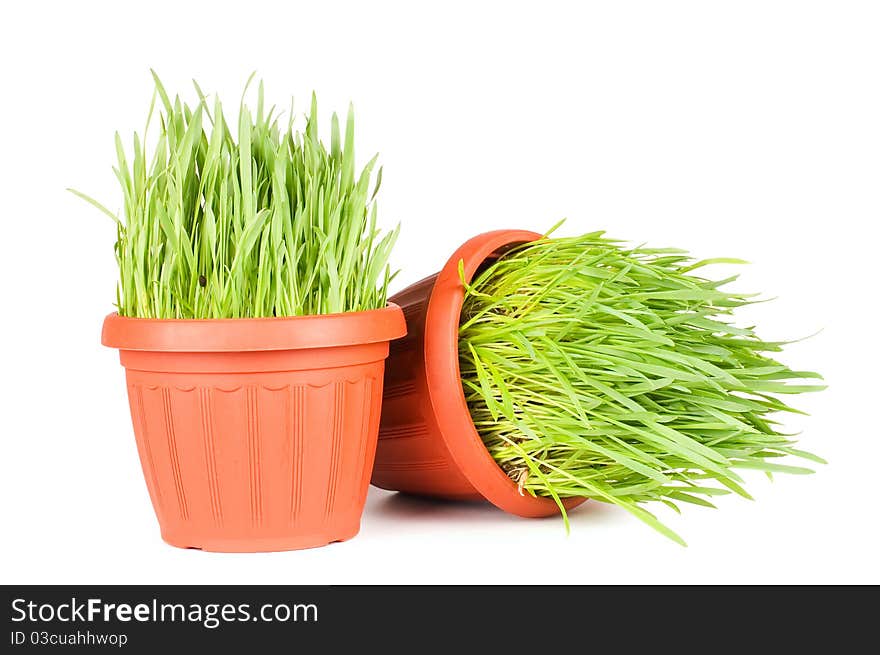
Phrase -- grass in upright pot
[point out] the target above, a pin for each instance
(252, 322)
(246, 221)
(597, 370)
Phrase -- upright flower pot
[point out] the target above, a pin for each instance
(256, 434)
(428, 444)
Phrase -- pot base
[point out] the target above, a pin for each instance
(258, 544)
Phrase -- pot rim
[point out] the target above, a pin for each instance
(444, 379)
(254, 334)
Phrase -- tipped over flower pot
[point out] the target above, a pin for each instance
(253, 328)
(428, 444)
(538, 373)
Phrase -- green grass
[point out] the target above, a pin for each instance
(249, 220)
(614, 373)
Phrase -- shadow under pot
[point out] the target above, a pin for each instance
(428, 444)
(256, 434)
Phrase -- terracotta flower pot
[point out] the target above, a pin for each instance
(256, 434)
(428, 444)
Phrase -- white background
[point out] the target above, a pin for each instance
(747, 129)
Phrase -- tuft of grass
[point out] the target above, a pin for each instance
(593, 369)
(252, 219)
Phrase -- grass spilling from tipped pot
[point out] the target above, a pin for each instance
(250, 220)
(616, 373)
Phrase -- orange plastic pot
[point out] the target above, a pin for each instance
(428, 444)
(256, 434)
